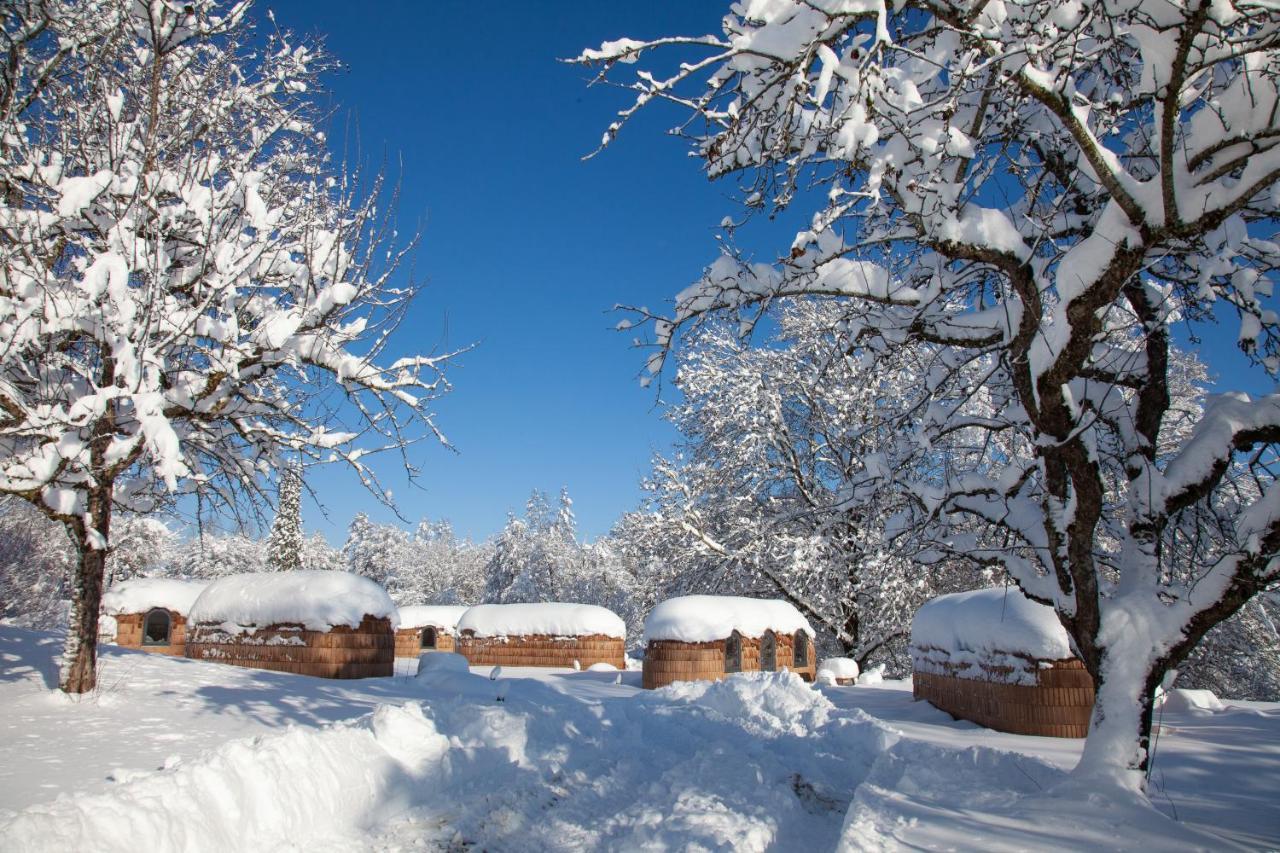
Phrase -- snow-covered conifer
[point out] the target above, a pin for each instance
(284, 545)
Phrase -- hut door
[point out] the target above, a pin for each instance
(769, 652)
(733, 653)
(155, 628)
(800, 655)
(428, 638)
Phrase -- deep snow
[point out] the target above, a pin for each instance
(570, 760)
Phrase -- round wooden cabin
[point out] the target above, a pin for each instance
(151, 613)
(427, 628)
(998, 659)
(709, 637)
(318, 623)
(550, 634)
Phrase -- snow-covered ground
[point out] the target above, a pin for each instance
(183, 755)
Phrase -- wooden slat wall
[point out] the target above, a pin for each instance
(129, 634)
(542, 650)
(1058, 705)
(368, 651)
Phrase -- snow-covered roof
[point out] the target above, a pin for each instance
(704, 618)
(436, 615)
(141, 594)
(991, 620)
(551, 618)
(319, 600)
(839, 667)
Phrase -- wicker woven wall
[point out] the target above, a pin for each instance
(542, 650)
(668, 661)
(409, 642)
(129, 633)
(367, 651)
(1058, 705)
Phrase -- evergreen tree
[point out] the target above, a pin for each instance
(284, 547)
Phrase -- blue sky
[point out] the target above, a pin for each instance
(525, 247)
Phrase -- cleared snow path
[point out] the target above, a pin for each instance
(569, 761)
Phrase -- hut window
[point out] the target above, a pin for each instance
(801, 654)
(428, 638)
(155, 628)
(768, 652)
(733, 653)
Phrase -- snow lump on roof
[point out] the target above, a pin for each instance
(989, 621)
(142, 594)
(547, 618)
(319, 600)
(704, 618)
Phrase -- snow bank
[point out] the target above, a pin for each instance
(767, 704)
(704, 618)
(142, 594)
(552, 619)
(833, 668)
(304, 789)
(318, 600)
(999, 620)
(1192, 701)
(435, 615)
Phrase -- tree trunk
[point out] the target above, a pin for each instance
(1117, 750)
(80, 654)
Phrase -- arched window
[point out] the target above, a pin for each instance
(801, 647)
(155, 628)
(428, 638)
(768, 652)
(733, 653)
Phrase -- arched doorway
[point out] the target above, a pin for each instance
(768, 652)
(156, 628)
(801, 649)
(428, 638)
(733, 653)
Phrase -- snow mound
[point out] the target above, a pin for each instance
(875, 675)
(318, 600)
(768, 704)
(990, 621)
(434, 615)
(1193, 701)
(602, 667)
(547, 619)
(704, 618)
(248, 794)
(833, 668)
(442, 662)
(142, 594)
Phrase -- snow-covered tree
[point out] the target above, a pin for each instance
(776, 441)
(319, 555)
(284, 545)
(190, 294)
(377, 551)
(35, 566)
(141, 546)
(1034, 194)
(216, 555)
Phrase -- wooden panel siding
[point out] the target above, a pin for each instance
(367, 651)
(1058, 703)
(542, 650)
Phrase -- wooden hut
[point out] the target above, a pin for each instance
(427, 628)
(151, 613)
(708, 637)
(998, 659)
(546, 634)
(319, 623)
